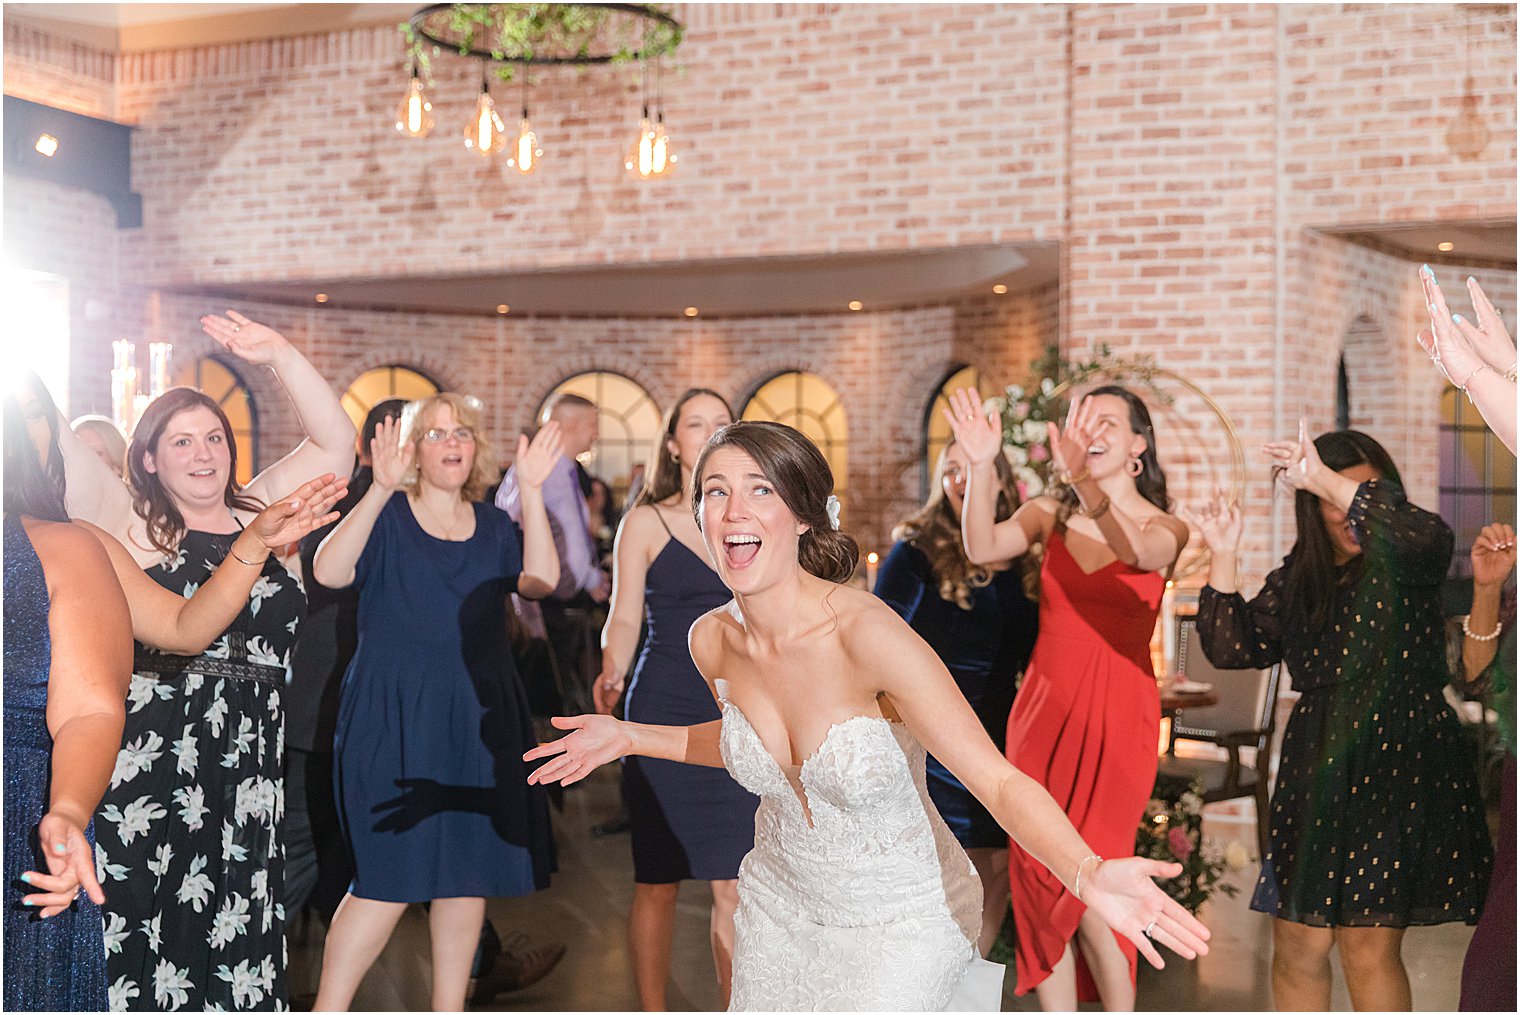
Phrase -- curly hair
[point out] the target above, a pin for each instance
(936, 532)
(415, 420)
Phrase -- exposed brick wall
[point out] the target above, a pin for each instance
(1186, 158)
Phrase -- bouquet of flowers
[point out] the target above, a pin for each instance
(1172, 832)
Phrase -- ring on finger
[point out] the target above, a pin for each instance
(1150, 928)
(237, 327)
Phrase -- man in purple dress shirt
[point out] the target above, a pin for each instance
(582, 581)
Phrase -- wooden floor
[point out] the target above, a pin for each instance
(588, 904)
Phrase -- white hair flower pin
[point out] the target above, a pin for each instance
(832, 507)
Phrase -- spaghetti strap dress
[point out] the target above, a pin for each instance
(686, 821)
(1084, 726)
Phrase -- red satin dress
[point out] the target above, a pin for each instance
(1084, 725)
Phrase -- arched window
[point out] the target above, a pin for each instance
(628, 424)
(374, 386)
(807, 402)
(225, 386)
(936, 429)
(1477, 475)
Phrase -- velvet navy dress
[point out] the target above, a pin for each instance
(985, 649)
(433, 720)
(686, 821)
(57, 964)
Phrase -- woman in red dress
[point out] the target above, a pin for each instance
(1085, 720)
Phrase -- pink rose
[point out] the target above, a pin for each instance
(1180, 843)
(1039, 453)
(1023, 490)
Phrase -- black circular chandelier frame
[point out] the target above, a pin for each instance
(441, 25)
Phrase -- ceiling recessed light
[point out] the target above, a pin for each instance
(321, 297)
(690, 311)
(502, 308)
(1000, 288)
(856, 304)
(47, 144)
(1445, 245)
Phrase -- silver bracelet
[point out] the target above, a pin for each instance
(1498, 629)
(1076, 887)
(251, 563)
(1509, 375)
(1463, 386)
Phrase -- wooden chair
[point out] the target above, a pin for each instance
(1246, 716)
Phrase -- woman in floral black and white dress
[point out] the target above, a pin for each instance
(188, 846)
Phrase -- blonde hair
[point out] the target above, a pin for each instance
(110, 435)
(414, 423)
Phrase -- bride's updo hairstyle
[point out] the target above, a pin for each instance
(802, 477)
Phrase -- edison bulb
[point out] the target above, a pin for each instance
(528, 151)
(485, 133)
(641, 157)
(414, 116)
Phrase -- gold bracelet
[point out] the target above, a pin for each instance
(1076, 887)
(251, 563)
(1099, 512)
(1070, 480)
(1498, 628)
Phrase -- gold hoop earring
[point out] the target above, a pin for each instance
(1134, 467)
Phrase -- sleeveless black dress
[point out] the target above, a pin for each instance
(687, 821)
(188, 835)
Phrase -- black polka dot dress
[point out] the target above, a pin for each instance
(1376, 819)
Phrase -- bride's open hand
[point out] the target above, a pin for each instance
(593, 741)
(1123, 894)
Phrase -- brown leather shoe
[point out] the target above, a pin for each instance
(514, 969)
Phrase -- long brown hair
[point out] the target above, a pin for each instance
(801, 475)
(935, 531)
(666, 479)
(149, 498)
(1151, 483)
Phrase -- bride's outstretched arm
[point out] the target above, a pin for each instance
(922, 691)
(594, 740)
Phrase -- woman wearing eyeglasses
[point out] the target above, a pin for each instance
(433, 720)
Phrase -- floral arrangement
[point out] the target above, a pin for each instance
(1172, 832)
(1027, 409)
(516, 32)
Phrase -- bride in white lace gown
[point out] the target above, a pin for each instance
(856, 896)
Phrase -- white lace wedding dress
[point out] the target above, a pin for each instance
(869, 906)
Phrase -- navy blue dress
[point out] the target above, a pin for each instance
(985, 649)
(433, 720)
(687, 821)
(57, 964)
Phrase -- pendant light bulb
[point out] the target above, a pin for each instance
(641, 156)
(528, 151)
(414, 116)
(485, 133)
(664, 157)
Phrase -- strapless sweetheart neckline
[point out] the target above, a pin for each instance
(802, 769)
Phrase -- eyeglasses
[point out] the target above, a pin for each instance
(462, 434)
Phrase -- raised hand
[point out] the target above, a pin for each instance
(390, 460)
(1458, 346)
(593, 741)
(1123, 894)
(1298, 460)
(1218, 521)
(286, 521)
(248, 340)
(536, 459)
(71, 866)
(978, 435)
(1069, 446)
(1493, 555)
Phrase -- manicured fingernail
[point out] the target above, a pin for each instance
(1457, 318)
(27, 878)
(27, 902)
(59, 847)
(1431, 307)
(1425, 270)
(1471, 280)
